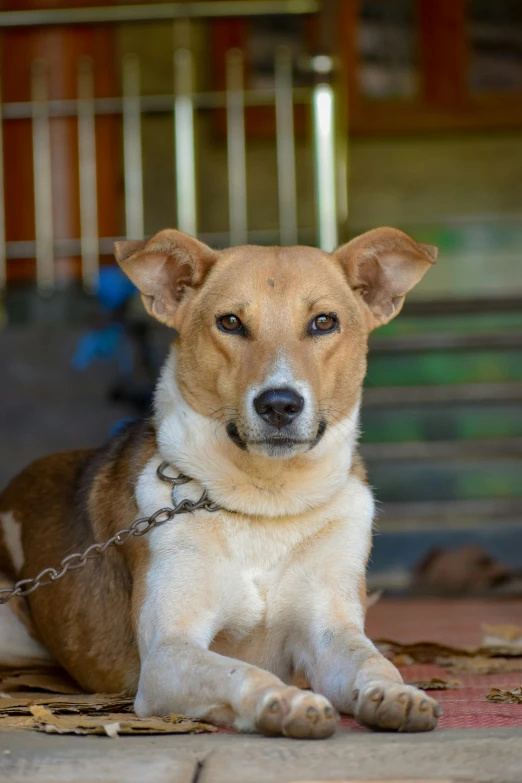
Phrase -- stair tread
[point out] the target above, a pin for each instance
(446, 341)
(444, 449)
(465, 392)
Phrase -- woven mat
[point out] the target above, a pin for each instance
(26, 696)
(466, 706)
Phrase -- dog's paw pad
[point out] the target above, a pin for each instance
(295, 713)
(396, 707)
(311, 716)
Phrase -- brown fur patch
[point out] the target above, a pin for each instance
(358, 468)
(66, 502)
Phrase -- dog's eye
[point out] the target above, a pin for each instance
(324, 323)
(230, 323)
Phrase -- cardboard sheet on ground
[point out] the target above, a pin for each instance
(46, 699)
(50, 679)
(61, 704)
(112, 724)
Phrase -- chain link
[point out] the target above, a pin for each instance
(139, 527)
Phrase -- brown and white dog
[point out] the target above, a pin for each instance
(221, 615)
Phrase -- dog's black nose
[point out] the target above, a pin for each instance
(279, 406)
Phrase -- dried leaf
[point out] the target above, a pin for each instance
(505, 697)
(510, 635)
(482, 665)
(481, 660)
(507, 633)
(113, 724)
(433, 652)
(41, 713)
(436, 684)
(402, 660)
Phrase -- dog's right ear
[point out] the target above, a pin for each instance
(166, 270)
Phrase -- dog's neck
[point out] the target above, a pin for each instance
(240, 481)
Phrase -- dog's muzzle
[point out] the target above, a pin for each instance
(278, 423)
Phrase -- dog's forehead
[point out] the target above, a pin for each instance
(253, 272)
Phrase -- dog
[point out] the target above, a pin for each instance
(251, 615)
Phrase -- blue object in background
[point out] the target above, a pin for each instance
(121, 424)
(114, 288)
(119, 339)
(110, 342)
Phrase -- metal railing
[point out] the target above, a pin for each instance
(150, 12)
(183, 103)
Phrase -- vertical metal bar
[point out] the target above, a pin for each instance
(285, 147)
(184, 142)
(342, 177)
(88, 182)
(324, 149)
(237, 189)
(132, 160)
(3, 257)
(43, 201)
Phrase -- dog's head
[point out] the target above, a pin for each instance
(273, 340)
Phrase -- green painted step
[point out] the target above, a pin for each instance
(444, 367)
(465, 323)
(441, 422)
(416, 481)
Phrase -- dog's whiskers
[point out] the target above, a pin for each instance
(340, 426)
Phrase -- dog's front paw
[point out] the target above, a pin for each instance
(295, 713)
(392, 706)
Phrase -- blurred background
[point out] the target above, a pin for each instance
(278, 121)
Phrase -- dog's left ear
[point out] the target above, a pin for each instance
(382, 266)
(166, 270)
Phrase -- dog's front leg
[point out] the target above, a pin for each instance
(179, 608)
(180, 676)
(358, 680)
(330, 646)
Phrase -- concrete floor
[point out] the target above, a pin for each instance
(473, 755)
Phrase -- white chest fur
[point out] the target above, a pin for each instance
(229, 580)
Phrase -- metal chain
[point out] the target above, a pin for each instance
(139, 527)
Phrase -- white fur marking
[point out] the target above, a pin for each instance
(281, 376)
(13, 539)
(17, 647)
